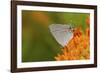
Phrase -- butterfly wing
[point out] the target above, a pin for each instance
(61, 33)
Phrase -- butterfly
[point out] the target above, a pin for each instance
(62, 33)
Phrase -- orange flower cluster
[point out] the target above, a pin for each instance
(77, 48)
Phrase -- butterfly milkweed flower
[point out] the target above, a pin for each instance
(78, 46)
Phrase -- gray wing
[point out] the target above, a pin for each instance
(61, 33)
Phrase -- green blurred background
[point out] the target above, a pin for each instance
(38, 44)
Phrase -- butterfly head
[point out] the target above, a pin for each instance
(71, 28)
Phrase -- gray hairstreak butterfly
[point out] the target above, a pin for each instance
(62, 33)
